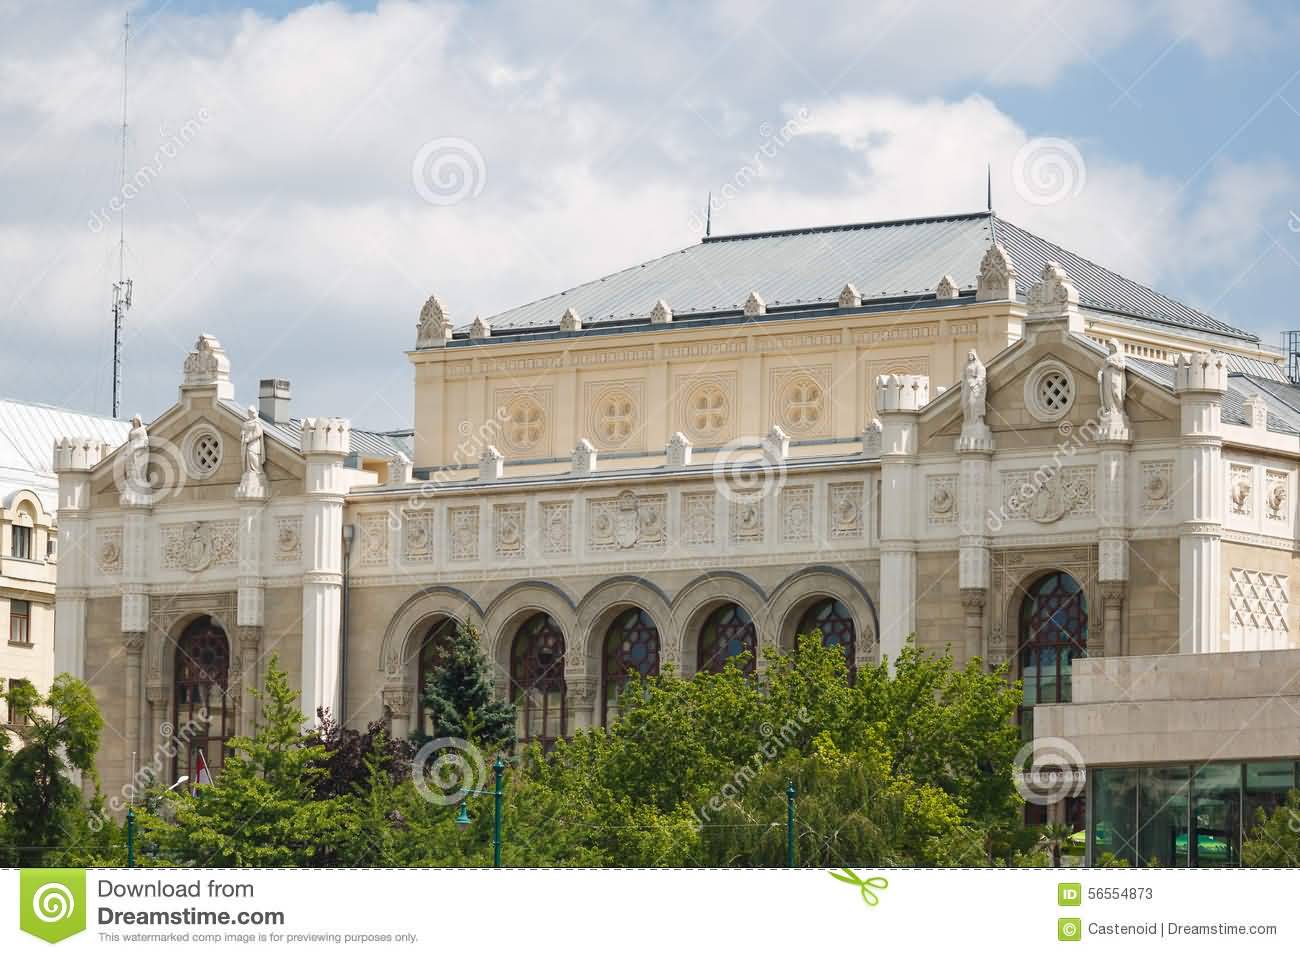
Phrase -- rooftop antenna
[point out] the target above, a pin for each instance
(121, 288)
(990, 188)
(708, 216)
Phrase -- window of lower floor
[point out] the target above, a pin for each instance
(1182, 815)
(15, 717)
(20, 622)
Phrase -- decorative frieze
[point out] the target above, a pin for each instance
(1275, 495)
(747, 519)
(796, 514)
(1046, 497)
(373, 538)
(1258, 605)
(1157, 486)
(417, 535)
(108, 550)
(941, 500)
(195, 546)
(698, 523)
(799, 400)
(557, 528)
(845, 515)
(462, 533)
(508, 530)
(627, 521)
(1240, 487)
(288, 538)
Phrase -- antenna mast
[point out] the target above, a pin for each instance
(121, 288)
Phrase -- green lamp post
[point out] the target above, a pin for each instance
(789, 823)
(497, 793)
(130, 837)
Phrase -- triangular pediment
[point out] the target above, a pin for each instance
(1044, 388)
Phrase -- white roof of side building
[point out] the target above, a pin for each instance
(28, 431)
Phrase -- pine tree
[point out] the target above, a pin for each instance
(458, 696)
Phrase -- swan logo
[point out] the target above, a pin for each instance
(52, 902)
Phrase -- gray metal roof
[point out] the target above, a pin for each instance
(807, 268)
(28, 431)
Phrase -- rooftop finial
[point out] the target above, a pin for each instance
(990, 187)
(708, 216)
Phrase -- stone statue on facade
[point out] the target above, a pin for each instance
(1112, 381)
(137, 458)
(252, 454)
(975, 433)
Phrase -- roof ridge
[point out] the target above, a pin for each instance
(843, 227)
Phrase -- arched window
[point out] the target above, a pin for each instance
(205, 717)
(433, 650)
(727, 632)
(537, 679)
(833, 619)
(1053, 632)
(631, 644)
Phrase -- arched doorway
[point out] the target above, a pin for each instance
(537, 680)
(631, 644)
(727, 632)
(204, 712)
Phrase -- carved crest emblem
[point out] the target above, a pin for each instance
(1050, 501)
(627, 521)
(196, 547)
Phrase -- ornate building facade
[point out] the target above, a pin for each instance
(946, 428)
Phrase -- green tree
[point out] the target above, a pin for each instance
(1274, 841)
(44, 818)
(459, 697)
(263, 810)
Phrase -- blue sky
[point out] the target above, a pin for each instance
(289, 221)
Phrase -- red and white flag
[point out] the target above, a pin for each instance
(202, 776)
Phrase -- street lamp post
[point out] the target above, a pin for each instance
(498, 795)
(789, 824)
(130, 837)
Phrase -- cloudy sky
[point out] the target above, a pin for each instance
(310, 173)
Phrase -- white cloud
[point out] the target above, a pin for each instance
(288, 224)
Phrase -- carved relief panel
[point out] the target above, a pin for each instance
(628, 521)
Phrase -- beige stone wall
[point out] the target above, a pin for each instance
(1151, 603)
(106, 674)
(939, 613)
(815, 377)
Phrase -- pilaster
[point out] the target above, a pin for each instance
(74, 458)
(325, 443)
(899, 400)
(1200, 380)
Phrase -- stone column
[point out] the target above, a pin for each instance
(1200, 380)
(156, 695)
(975, 452)
(398, 701)
(899, 399)
(250, 677)
(1112, 602)
(73, 460)
(325, 443)
(133, 645)
(580, 701)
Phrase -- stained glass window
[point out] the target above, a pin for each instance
(205, 717)
(1053, 632)
(631, 644)
(727, 632)
(537, 680)
(832, 618)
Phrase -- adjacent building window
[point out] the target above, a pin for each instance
(1053, 632)
(537, 680)
(727, 632)
(205, 717)
(433, 651)
(1181, 815)
(631, 644)
(832, 618)
(21, 541)
(20, 622)
(15, 716)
